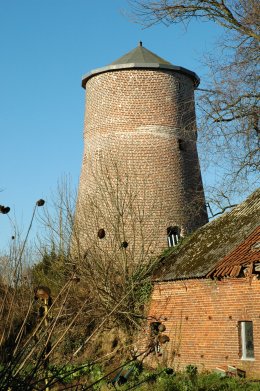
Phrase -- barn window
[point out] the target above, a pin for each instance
(173, 236)
(246, 340)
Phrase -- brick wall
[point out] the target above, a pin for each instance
(133, 123)
(202, 321)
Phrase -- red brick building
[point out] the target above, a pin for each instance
(140, 173)
(207, 294)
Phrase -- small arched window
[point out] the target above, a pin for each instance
(173, 235)
(101, 233)
(181, 144)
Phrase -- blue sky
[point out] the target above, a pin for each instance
(45, 48)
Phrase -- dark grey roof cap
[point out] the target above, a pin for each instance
(140, 57)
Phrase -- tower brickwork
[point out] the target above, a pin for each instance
(140, 173)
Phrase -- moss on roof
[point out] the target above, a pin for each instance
(202, 251)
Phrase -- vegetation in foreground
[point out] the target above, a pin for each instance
(69, 322)
(129, 377)
(189, 380)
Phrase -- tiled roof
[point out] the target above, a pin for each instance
(243, 256)
(216, 244)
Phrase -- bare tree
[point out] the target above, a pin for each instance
(229, 99)
(67, 305)
(118, 242)
(240, 16)
(110, 243)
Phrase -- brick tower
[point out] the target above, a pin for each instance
(140, 187)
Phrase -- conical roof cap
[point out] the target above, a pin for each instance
(140, 55)
(139, 58)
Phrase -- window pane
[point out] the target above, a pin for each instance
(173, 234)
(249, 343)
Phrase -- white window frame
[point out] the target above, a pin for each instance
(173, 238)
(243, 340)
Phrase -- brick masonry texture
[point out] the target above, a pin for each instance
(134, 122)
(203, 321)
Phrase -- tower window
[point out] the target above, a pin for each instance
(173, 236)
(181, 144)
(246, 340)
(101, 233)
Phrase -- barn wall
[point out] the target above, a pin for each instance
(202, 322)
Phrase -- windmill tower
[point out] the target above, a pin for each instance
(140, 183)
